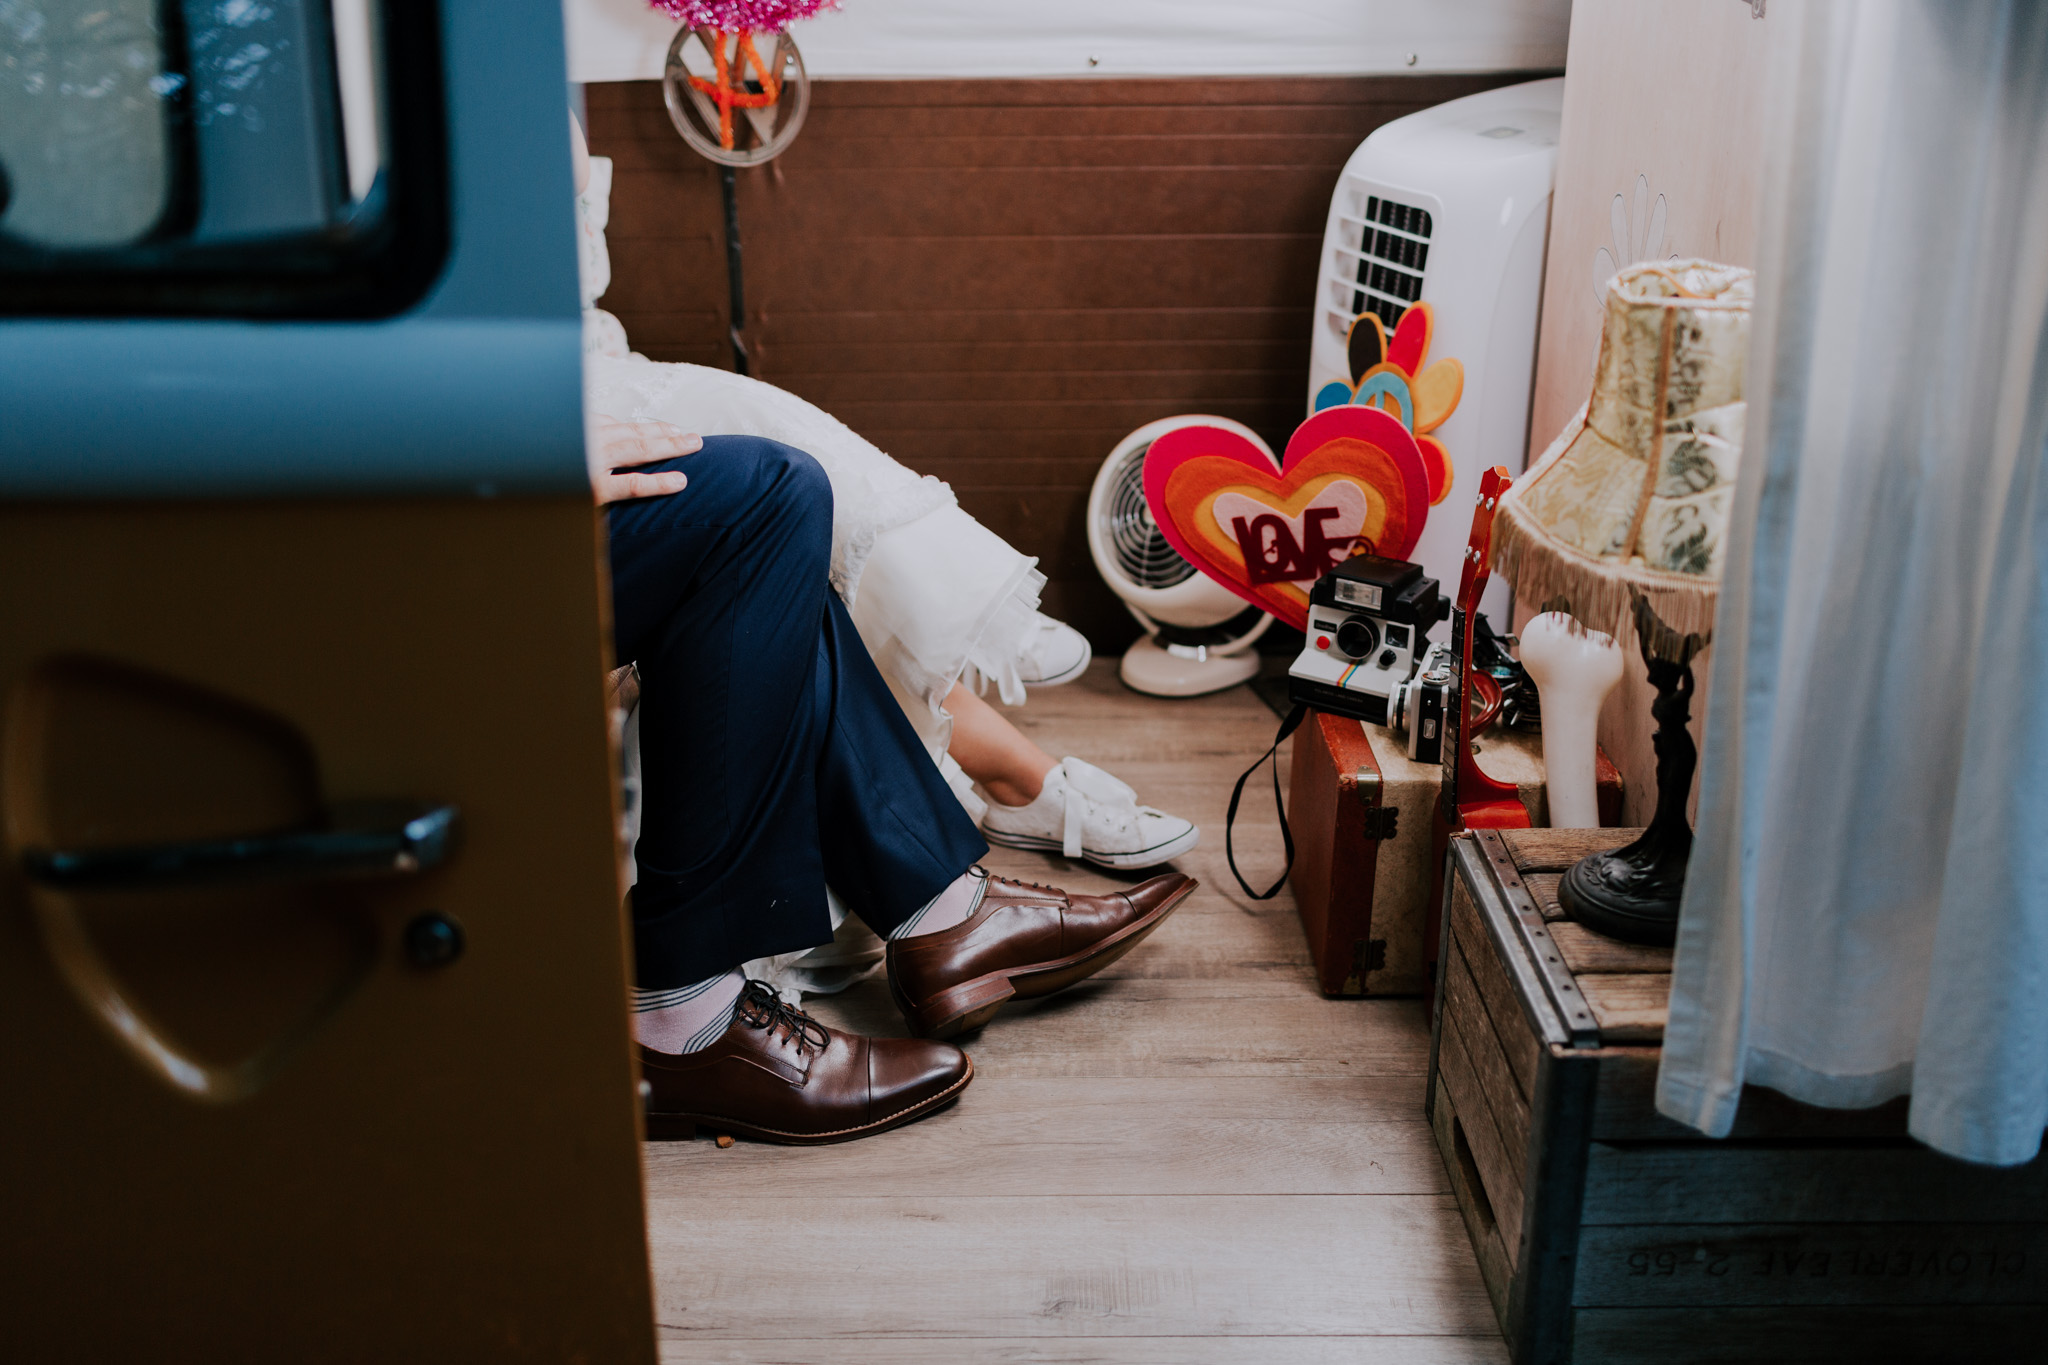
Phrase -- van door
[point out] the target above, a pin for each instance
(312, 961)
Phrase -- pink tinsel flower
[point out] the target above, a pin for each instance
(754, 16)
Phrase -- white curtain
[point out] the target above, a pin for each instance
(1867, 910)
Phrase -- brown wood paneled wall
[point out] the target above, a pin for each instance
(995, 280)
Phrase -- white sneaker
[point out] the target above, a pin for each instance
(1052, 653)
(1083, 812)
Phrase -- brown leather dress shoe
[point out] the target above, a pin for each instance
(1024, 941)
(781, 1076)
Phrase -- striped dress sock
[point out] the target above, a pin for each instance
(687, 1018)
(955, 905)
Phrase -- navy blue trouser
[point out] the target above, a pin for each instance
(773, 757)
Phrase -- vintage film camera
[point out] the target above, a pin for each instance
(1367, 620)
(1418, 705)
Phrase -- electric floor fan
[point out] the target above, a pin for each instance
(1198, 635)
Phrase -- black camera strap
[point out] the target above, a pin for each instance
(1288, 725)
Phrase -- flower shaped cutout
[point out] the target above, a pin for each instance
(1392, 373)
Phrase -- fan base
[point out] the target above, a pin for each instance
(1151, 668)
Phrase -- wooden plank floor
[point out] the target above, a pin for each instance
(1193, 1158)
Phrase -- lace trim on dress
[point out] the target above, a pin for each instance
(994, 640)
(995, 651)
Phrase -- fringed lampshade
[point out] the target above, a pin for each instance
(1631, 500)
(1624, 521)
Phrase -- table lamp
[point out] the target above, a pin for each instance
(1624, 519)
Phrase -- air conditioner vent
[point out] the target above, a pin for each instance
(1393, 249)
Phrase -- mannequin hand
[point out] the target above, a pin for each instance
(622, 445)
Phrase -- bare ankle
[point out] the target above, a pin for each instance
(1004, 792)
(1009, 793)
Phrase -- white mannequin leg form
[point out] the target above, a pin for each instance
(1574, 669)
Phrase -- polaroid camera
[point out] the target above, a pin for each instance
(1367, 620)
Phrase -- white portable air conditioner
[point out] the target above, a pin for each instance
(1452, 206)
(1198, 634)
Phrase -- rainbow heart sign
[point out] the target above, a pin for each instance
(1352, 481)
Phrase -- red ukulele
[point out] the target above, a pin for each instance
(1469, 799)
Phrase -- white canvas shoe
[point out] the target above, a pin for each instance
(1083, 812)
(1052, 653)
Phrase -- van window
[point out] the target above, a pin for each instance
(253, 157)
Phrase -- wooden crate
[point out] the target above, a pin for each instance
(1363, 874)
(1608, 1233)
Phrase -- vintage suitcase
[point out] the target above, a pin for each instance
(1360, 812)
(1607, 1233)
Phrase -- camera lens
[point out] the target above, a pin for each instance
(1357, 637)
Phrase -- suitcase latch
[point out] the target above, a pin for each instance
(1381, 821)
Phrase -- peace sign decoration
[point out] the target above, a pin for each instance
(1393, 373)
(715, 71)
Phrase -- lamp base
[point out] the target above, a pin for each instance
(1631, 894)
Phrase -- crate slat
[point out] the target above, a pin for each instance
(1554, 850)
(1588, 952)
(1478, 969)
(1499, 1165)
(1712, 1265)
(1543, 887)
(1496, 1084)
(1467, 1188)
(1809, 1335)
(1625, 1108)
(1629, 1007)
(1716, 1182)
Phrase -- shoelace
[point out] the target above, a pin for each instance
(760, 1007)
(1015, 881)
(1088, 785)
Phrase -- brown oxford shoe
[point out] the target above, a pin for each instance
(1024, 941)
(781, 1076)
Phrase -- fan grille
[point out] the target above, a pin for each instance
(1142, 553)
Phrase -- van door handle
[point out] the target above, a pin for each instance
(370, 839)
